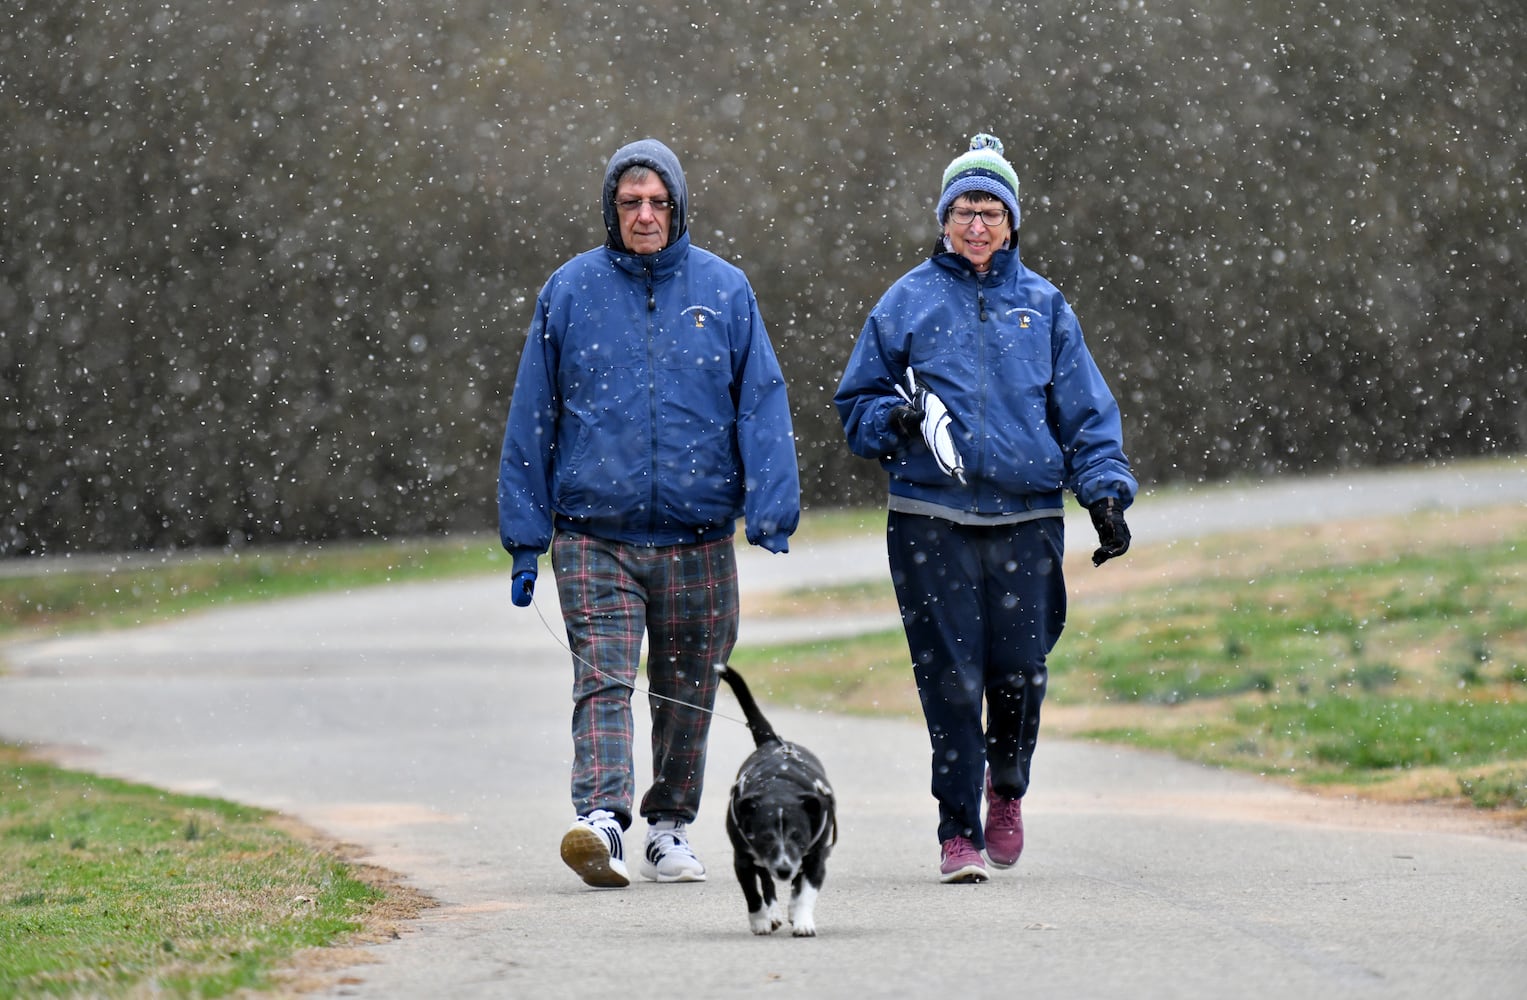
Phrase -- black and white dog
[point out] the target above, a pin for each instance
(783, 822)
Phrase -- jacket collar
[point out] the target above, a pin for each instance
(1003, 262)
(661, 264)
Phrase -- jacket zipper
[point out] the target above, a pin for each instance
(651, 409)
(979, 457)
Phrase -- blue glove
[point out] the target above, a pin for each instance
(524, 587)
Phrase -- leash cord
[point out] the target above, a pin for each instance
(625, 683)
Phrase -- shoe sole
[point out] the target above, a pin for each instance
(586, 853)
(999, 861)
(686, 877)
(651, 874)
(968, 875)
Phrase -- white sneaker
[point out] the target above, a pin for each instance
(668, 856)
(593, 848)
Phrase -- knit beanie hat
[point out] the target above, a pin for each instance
(981, 169)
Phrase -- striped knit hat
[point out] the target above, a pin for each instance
(981, 169)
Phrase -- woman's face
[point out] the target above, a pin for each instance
(977, 239)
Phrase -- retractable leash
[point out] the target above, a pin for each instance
(624, 683)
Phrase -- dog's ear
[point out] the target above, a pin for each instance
(822, 815)
(743, 803)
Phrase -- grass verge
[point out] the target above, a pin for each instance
(74, 594)
(1387, 658)
(112, 889)
(80, 593)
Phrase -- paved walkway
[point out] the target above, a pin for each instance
(428, 723)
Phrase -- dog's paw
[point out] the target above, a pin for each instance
(766, 920)
(802, 909)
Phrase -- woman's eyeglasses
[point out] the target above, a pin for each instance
(962, 216)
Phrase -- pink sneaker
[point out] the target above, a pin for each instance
(961, 862)
(1004, 828)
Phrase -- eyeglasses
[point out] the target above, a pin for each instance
(962, 216)
(632, 205)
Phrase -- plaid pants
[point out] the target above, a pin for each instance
(684, 599)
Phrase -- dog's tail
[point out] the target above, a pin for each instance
(758, 725)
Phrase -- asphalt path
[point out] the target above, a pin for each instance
(427, 723)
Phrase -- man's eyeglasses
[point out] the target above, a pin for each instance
(962, 216)
(633, 205)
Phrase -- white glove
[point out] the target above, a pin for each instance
(937, 432)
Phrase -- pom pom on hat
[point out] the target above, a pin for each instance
(980, 169)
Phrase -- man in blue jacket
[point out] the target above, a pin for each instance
(649, 414)
(971, 383)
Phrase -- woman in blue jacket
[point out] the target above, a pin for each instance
(971, 383)
(649, 414)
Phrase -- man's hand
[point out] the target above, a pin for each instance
(522, 591)
(1113, 533)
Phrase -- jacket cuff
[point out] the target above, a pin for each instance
(777, 541)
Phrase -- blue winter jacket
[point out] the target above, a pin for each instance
(1031, 414)
(649, 406)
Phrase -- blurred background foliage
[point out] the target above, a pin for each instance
(266, 269)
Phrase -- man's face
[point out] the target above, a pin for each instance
(977, 239)
(644, 228)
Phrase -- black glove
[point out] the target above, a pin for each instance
(1113, 533)
(908, 422)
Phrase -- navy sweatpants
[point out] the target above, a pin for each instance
(982, 607)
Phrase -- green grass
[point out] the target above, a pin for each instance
(1312, 630)
(115, 592)
(113, 889)
(102, 592)
(1401, 672)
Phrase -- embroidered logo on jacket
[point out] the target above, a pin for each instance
(1026, 317)
(700, 313)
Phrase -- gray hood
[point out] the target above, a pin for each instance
(653, 154)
